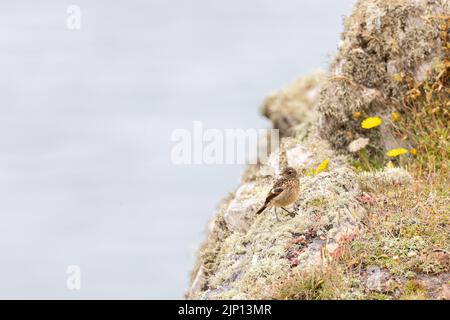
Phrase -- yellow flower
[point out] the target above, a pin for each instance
(356, 114)
(396, 152)
(413, 151)
(394, 116)
(322, 166)
(371, 122)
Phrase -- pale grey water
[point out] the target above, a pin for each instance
(85, 124)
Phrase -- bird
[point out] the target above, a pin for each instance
(284, 192)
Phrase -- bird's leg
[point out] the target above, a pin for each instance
(276, 216)
(292, 214)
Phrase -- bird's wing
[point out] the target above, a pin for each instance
(279, 186)
(275, 191)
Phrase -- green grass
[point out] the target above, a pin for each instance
(324, 284)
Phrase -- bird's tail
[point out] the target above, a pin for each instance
(262, 209)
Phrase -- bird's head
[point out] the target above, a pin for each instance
(289, 172)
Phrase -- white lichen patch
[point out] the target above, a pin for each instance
(358, 144)
(383, 178)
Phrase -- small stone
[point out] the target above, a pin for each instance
(242, 205)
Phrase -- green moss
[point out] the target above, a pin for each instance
(413, 290)
(318, 202)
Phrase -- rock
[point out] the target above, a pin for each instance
(298, 157)
(240, 207)
(386, 177)
(198, 282)
(382, 40)
(291, 106)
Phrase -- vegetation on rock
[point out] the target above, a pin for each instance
(373, 152)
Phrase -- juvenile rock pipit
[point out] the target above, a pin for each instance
(284, 192)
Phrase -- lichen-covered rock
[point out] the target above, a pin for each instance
(246, 255)
(292, 106)
(237, 212)
(385, 44)
(250, 260)
(386, 177)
